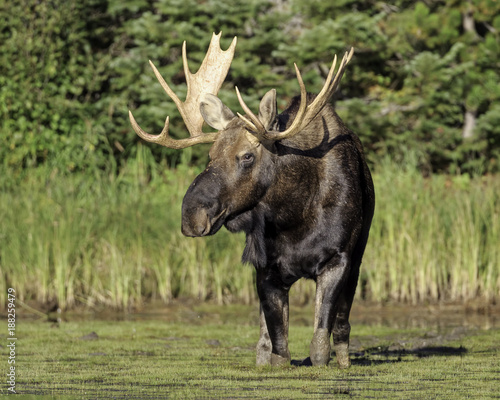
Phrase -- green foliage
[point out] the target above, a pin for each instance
(440, 72)
(49, 78)
(71, 70)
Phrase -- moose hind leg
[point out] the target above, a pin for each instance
(341, 331)
(342, 328)
(329, 286)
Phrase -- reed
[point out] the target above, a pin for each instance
(433, 238)
(115, 240)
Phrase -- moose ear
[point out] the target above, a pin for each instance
(214, 112)
(268, 110)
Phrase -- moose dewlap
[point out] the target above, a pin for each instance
(296, 183)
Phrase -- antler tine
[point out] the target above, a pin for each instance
(185, 65)
(208, 79)
(299, 117)
(164, 139)
(340, 73)
(253, 125)
(329, 81)
(306, 114)
(165, 86)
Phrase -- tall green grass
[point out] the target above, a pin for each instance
(115, 240)
(435, 238)
(112, 240)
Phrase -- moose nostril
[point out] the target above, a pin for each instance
(196, 224)
(202, 230)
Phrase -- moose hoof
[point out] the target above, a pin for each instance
(277, 360)
(342, 352)
(320, 347)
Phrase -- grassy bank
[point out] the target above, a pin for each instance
(115, 240)
(148, 359)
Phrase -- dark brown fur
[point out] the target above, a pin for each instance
(306, 205)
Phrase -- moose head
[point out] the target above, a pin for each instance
(241, 158)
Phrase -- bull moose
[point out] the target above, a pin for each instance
(296, 183)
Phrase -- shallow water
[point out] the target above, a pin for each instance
(393, 316)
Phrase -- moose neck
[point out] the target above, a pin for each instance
(295, 188)
(275, 216)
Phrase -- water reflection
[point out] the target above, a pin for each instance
(401, 317)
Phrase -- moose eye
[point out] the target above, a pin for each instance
(247, 159)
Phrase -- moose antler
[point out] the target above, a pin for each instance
(306, 113)
(208, 79)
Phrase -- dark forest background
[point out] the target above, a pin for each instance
(423, 86)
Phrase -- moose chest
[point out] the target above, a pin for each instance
(291, 254)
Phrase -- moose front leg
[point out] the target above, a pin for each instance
(272, 347)
(329, 286)
(264, 345)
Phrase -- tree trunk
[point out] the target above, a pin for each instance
(468, 20)
(469, 124)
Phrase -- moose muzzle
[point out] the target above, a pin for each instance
(198, 222)
(202, 211)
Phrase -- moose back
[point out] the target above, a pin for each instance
(296, 183)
